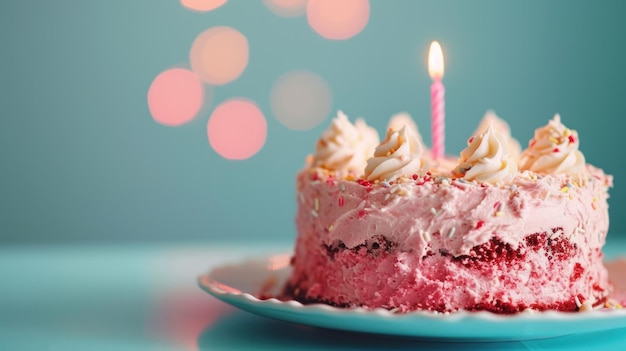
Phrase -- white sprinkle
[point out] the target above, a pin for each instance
(578, 304)
(445, 182)
(451, 232)
(342, 187)
(426, 235)
(314, 213)
(317, 204)
(433, 211)
(500, 207)
(387, 197)
(385, 184)
(394, 189)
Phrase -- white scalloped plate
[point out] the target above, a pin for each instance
(240, 284)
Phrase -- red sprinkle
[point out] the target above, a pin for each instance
(532, 143)
(316, 176)
(469, 141)
(496, 204)
(480, 224)
(364, 182)
(571, 139)
(556, 149)
(340, 201)
(361, 214)
(414, 176)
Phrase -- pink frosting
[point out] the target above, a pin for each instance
(451, 214)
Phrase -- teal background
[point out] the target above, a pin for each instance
(81, 159)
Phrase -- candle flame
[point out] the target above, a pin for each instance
(435, 61)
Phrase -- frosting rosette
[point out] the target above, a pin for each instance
(553, 150)
(345, 147)
(399, 120)
(400, 154)
(490, 117)
(486, 159)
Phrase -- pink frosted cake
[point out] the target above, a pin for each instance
(381, 225)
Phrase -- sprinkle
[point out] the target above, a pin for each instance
(340, 201)
(480, 224)
(385, 184)
(387, 197)
(496, 204)
(331, 227)
(394, 189)
(433, 211)
(556, 149)
(564, 189)
(567, 132)
(415, 176)
(451, 232)
(317, 204)
(361, 214)
(578, 304)
(553, 140)
(470, 140)
(314, 213)
(342, 187)
(571, 139)
(426, 235)
(498, 214)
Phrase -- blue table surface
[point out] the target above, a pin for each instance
(145, 297)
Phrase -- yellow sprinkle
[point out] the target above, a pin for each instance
(499, 213)
(317, 205)
(553, 140)
(331, 227)
(564, 189)
(567, 133)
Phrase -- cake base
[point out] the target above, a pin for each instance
(492, 277)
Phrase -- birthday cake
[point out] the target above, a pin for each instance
(383, 225)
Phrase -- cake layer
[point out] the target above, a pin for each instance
(541, 274)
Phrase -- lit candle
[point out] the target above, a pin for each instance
(437, 92)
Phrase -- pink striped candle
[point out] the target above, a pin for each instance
(437, 93)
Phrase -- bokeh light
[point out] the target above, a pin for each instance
(286, 8)
(219, 55)
(202, 5)
(301, 100)
(237, 129)
(338, 20)
(175, 96)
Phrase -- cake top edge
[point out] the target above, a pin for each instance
(354, 151)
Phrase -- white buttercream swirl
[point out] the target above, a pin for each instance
(402, 119)
(553, 150)
(486, 159)
(396, 156)
(345, 147)
(490, 117)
